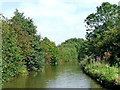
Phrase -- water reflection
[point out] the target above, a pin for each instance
(68, 75)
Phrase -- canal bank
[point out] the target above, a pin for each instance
(68, 75)
(105, 75)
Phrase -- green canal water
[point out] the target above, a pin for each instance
(68, 75)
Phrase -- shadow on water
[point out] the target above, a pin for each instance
(68, 75)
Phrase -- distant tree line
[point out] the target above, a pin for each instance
(102, 37)
(72, 49)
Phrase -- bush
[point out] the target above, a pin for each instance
(102, 72)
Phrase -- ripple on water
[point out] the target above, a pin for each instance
(61, 76)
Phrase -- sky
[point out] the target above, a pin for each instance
(58, 20)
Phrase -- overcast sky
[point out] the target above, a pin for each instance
(58, 20)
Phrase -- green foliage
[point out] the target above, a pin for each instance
(52, 55)
(21, 46)
(103, 32)
(102, 72)
(103, 41)
(26, 24)
(35, 60)
(11, 55)
(0, 51)
(106, 15)
(111, 43)
(74, 48)
(67, 52)
(31, 49)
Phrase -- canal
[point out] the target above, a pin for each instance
(68, 75)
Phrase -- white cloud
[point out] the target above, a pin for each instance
(8, 13)
(18, 0)
(0, 6)
(48, 2)
(69, 18)
(57, 19)
(91, 1)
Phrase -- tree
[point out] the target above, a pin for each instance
(105, 16)
(52, 55)
(12, 60)
(33, 56)
(112, 43)
(99, 26)
(73, 49)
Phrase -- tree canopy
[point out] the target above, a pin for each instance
(101, 31)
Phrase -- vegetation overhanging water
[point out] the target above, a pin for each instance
(23, 50)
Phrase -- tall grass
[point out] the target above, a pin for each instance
(102, 72)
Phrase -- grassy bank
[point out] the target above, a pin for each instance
(102, 72)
